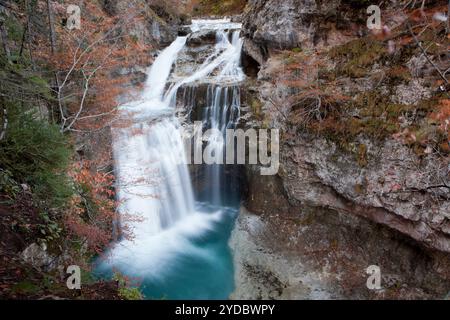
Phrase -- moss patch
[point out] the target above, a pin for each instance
(357, 56)
(219, 7)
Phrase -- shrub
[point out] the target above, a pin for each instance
(91, 210)
(36, 153)
(126, 291)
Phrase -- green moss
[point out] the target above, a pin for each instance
(379, 119)
(326, 74)
(398, 75)
(256, 107)
(7, 184)
(220, 7)
(355, 57)
(14, 29)
(130, 294)
(26, 287)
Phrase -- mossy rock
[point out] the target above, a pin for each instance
(220, 7)
(356, 57)
(398, 75)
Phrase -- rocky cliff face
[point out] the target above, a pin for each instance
(358, 183)
(285, 24)
(158, 29)
(161, 23)
(276, 25)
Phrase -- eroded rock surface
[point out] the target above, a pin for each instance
(376, 196)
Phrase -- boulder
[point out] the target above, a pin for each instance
(38, 257)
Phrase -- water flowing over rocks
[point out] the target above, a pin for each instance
(183, 220)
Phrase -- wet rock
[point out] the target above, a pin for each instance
(184, 31)
(254, 51)
(263, 273)
(334, 208)
(201, 38)
(334, 179)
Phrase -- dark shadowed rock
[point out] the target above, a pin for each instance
(201, 38)
(184, 31)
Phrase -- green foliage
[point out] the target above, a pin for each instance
(87, 277)
(49, 229)
(25, 287)
(18, 81)
(126, 291)
(36, 153)
(7, 184)
(14, 29)
(130, 293)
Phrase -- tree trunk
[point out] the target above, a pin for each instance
(4, 124)
(24, 39)
(25, 30)
(51, 23)
(4, 38)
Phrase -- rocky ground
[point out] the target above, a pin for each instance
(31, 271)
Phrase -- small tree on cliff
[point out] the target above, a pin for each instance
(87, 62)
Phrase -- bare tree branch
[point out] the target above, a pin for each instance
(5, 124)
(425, 53)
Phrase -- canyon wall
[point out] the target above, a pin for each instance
(364, 181)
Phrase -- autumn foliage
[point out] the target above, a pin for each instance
(92, 209)
(85, 72)
(87, 62)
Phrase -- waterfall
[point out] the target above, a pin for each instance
(222, 113)
(222, 73)
(160, 71)
(170, 249)
(226, 58)
(153, 183)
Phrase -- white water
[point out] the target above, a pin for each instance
(226, 59)
(153, 185)
(160, 71)
(217, 24)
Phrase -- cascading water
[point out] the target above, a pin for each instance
(152, 185)
(179, 246)
(221, 113)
